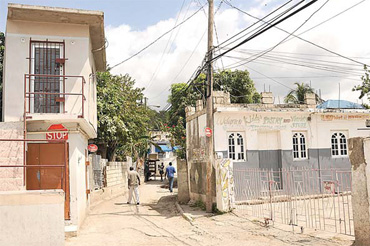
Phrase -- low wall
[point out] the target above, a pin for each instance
(11, 178)
(115, 173)
(32, 218)
(182, 181)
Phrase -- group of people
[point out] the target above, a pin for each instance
(134, 180)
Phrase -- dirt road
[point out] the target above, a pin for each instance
(156, 221)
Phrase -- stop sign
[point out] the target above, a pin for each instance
(92, 148)
(208, 132)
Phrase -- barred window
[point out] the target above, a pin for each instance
(339, 144)
(236, 146)
(299, 146)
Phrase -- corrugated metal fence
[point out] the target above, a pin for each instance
(303, 197)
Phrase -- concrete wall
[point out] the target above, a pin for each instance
(11, 153)
(32, 218)
(360, 158)
(268, 136)
(183, 195)
(195, 148)
(116, 174)
(80, 62)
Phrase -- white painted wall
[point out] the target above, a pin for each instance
(263, 134)
(31, 218)
(80, 62)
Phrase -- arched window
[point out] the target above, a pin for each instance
(299, 146)
(236, 146)
(338, 144)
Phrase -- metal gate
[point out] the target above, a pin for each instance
(304, 197)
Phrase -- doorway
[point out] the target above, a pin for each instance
(48, 178)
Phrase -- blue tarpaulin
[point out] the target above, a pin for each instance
(331, 104)
(164, 148)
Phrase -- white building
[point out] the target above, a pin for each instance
(51, 57)
(271, 136)
(166, 152)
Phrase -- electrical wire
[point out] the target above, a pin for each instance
(165, 49)
(290, 34)
(153, 42)
(305, 40)
(265, 29)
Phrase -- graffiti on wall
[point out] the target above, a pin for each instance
(225, 185)
(334, 117)
(259, 122)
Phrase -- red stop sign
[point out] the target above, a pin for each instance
(208, 132)
(92, 148)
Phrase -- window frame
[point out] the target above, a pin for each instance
(236, 146)
(337, 145)
(298, 136)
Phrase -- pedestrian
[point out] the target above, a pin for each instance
(170, 173)
(161, 170)
(133, 185)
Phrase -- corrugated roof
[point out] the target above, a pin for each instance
(332, 104)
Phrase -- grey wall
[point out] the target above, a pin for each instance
(275, 159)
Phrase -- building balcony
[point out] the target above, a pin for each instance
(59, 98)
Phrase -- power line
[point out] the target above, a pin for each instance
(164, 34)
(165, 49)
(297, 36)
(290, 34)
(265, 29)
(253, 25)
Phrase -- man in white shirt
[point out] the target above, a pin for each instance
(133, 185)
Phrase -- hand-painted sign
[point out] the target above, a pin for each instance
(92, 148)
(57, 132)
(208, 132)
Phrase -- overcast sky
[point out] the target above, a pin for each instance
(132, 24)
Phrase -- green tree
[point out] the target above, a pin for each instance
(122, 119)
(297, 95)
(2, 49)
(237, 83)
(364, 88)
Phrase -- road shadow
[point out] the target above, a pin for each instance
(165, 206)
(163, 184)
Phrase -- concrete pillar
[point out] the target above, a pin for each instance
(189, 111)
(359, 154)
(183, 195)
(221, 97)
(199, 105)
(267, 98)
(310, 99)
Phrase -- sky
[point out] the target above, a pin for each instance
(130, 25)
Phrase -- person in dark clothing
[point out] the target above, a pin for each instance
(161, 170)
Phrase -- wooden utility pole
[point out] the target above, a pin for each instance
(209, 110)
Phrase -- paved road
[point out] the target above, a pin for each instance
(156, 222)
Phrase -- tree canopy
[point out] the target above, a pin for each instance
(364, 88)
(297, 95)
(122, 119)
(237, 83)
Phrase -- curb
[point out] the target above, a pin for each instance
(186, 216)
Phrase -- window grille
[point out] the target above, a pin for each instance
(299, 146)
(339, 144)
(236, 151)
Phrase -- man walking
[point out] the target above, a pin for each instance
(133, 185)
(170, 172)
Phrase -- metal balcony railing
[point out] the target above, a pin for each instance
(47, 93)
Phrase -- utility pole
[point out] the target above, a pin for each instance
(209, 110)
